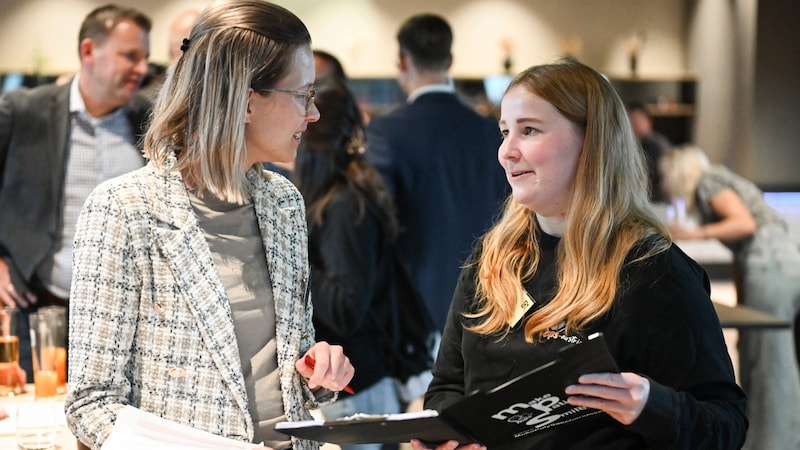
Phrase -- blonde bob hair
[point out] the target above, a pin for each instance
(681, 170)
(199, 116)
(609, 213)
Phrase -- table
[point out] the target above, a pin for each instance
(743, 317)
(8, 439)
(706, 251)
(715, 258)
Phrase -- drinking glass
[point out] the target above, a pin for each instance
(57, 322)
(44, 354)
(9, 352)
(36, 425)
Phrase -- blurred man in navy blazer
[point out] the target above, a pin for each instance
(57, 142)
(439, 158)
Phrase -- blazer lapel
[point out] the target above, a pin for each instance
(184, 247)
(280, 220)
(59, 137)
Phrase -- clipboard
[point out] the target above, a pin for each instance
(529, 404)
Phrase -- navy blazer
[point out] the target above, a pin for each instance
(34, 137)
(439, 159)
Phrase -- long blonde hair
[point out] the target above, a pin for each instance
(609, 214)
(200, 112)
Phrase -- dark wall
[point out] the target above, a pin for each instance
(774, 156)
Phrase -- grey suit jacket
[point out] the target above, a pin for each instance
(150, 322)
(34, 134)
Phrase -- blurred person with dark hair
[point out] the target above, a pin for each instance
(438, 158)
(351, 231)
(325, 64)
(654, 144)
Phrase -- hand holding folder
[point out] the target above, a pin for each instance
(531, 403)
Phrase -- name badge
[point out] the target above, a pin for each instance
(524, 303)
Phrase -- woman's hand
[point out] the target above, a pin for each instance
(331, 370)
(678, 231)
(734, 220)
(16, 376)
(416, 444)
(621, 395)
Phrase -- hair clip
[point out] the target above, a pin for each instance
(356, 149)
(185, 45)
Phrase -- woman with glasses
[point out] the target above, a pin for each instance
(190, 295)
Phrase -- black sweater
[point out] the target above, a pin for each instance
(349, 282)
(662, 326)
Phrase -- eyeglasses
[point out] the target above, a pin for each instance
(307, 95)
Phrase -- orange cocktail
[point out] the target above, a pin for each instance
(45, 373)
(45, 383)
(61, 366)
(10, 381)
(9, 365)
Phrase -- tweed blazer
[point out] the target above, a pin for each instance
(34, 137)
(150, 322)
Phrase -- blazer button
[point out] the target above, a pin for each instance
(160, 308)
(177, 372)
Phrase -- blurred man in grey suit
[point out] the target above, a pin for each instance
(57, 142)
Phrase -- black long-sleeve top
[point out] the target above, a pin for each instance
(662, 326)
(349, 283)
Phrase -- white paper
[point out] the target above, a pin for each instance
(358, 417)
(137, 429)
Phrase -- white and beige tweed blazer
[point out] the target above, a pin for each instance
(150, 322)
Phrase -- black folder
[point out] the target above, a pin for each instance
(528, 404)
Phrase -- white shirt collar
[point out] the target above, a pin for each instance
(77, 105)
(75, 99)
(429, 88)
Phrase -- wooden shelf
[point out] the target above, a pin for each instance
(670, 110)
(670, 101)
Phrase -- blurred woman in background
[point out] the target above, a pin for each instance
(766, 267)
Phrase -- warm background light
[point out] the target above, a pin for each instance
(740, 51)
